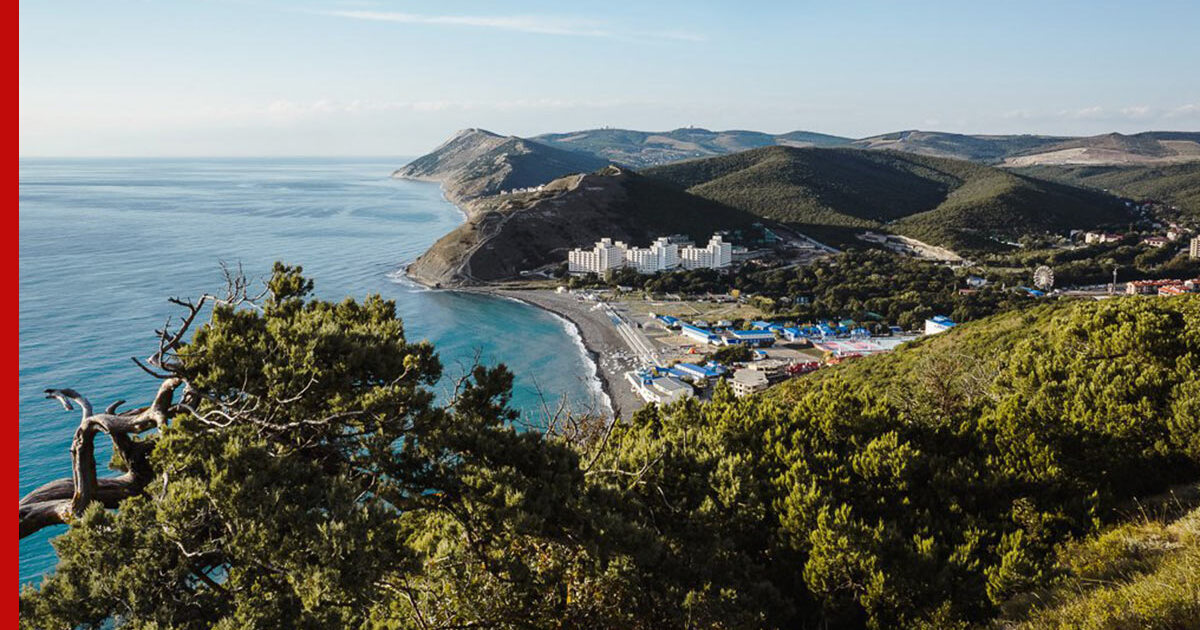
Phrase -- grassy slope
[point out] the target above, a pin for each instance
(1144, 573)
(834, 192)
(1177, 184)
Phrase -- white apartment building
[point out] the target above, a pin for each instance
(604, 256)
(662, 255)
(716, 255)
(1194, 250)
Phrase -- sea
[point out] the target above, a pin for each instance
(105, 242)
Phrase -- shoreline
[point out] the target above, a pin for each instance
(599, 344)
(602, 346)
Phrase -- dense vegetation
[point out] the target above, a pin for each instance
(833, 193)
(870, 286)
(1093, 264)
(1139, 574)
(1173, 184)
(318, 483)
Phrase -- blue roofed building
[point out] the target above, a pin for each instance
(701, 335)
(937, 324)
(751, 337)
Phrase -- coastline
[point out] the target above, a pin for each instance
(598, 342)
(602, 345)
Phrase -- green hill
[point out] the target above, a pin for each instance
(476, 162)
(1175, 184)
(833, 193)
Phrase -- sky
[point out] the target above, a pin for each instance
(396, 77)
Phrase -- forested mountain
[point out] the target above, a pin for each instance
(302, 474)
(1175, 184)
(834, 193)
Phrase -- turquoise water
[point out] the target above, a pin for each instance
(104, 243)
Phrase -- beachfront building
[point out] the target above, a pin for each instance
(663, 254)
(1194, 250)
(937, 324)
(663, 390)
(746, 382)
(716, 255)
(605, 255)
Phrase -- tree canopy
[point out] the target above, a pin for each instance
(307, 477)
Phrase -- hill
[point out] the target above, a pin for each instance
(476, 162)
(507, 234)
(1151, 147)
(639, 149)
(976, 148)
(835, 193)
(1175, 184)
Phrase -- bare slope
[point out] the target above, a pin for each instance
(640, 149)
(1152, 147)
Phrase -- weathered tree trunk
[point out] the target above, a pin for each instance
(64, 500)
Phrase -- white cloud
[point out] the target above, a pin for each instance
(543, 25)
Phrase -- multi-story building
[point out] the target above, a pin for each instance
(604, 256)
(662, 255)
(1194, 250)
(746, 382)
(716, 255)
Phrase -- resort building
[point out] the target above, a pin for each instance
(663, 254)
(1194, 250)
(663, 390)
(750, 337)
(604, 256)
(746, 382)
(660, 256)
(702, 335)
(716, 255)
(937, 324)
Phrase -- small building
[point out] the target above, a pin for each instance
(696, 372)
(746, 382)
(937, 324)
(750, 337)
(701, 335)
(663, 390)
(1101, 237)
(773, 369)
(1155, 241)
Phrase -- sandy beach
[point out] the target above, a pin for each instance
(608, 350)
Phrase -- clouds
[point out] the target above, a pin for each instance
(1141, 114)
(536, 24)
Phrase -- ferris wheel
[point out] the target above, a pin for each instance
(1043, 278)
